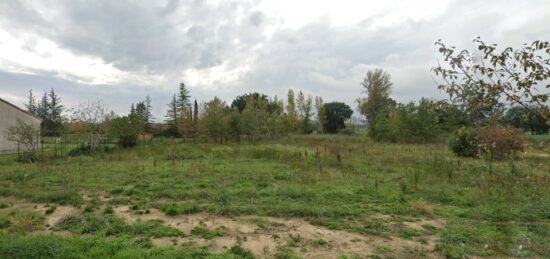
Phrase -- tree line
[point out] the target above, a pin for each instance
(501, 88)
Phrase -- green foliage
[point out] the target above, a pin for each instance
(409, 232)
(110, 225)
(51, 246)
(407, 123)
(479, 82)
(208, 234)
(377, 86)
(127, 129)
(335, 115)
(463, 142)
(528, 119)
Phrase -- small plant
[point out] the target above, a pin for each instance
(108, 210)
(320, 242)
(143, 242)
(430, 228)
(294, 240)
(240, 252)
(409, 233)
(50, 210)
(208, 234)
(422, 207)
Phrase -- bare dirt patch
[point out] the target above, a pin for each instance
(266, 236)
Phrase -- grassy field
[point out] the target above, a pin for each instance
(313, 197)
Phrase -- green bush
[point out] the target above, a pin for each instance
(407, 123)
(463, 142)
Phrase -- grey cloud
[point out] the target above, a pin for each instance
(139, 36)
(168, 37)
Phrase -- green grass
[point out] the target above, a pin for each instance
(49, 246)
(207, 234)
(490, 207)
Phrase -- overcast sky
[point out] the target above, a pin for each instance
(120, 51)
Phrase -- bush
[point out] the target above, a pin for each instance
(463, 142)
(498, 142)
(494, 142)
(406, 123)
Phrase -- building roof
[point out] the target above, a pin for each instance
(21, 110)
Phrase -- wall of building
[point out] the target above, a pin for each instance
(8, 118)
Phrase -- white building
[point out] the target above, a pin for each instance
(9, 113)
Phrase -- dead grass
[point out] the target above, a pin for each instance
(422, 207)
(25, 220)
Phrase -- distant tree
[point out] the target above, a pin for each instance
(239, 103)
(141, 111)
(515, 75)
(91, 114)
(183, 102)
(234, 125)
(377, 87)
(214, 121)
(408, 123)
(54, 120)
(50, 110)
(171, 118)
(31, 104)
(42, 109)
(148, 117)
(319, 106)
(291, 115)
(528, 119)
(304, 108)
(336, 113)
(126, 129)
(196, 112)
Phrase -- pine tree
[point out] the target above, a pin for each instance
(148, 114)
(54, 114)
(172, 113)
(141, 110)
(183, 100)
(31, 105)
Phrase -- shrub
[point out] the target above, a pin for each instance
(407, 123)
(498, 142)
(422, 207)
(463, 142)
(494, 142)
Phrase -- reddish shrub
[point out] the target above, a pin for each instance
(498, 142)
